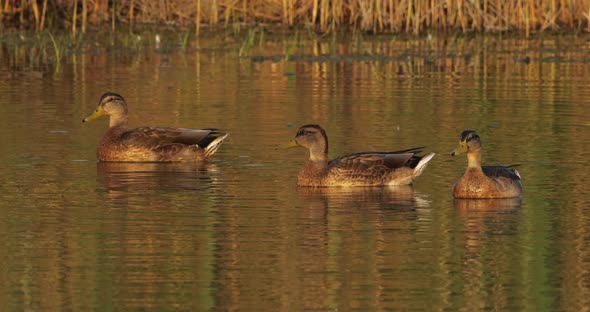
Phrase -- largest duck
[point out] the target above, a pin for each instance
(149, 144)
(357, 169)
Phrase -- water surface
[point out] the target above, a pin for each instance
(237, 234)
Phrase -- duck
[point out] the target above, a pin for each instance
(355, 169)
(150, 144)
(484, 181)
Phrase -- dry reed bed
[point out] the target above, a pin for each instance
(409, 16)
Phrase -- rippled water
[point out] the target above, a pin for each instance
(237, 234)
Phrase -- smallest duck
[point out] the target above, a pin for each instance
(483, 181)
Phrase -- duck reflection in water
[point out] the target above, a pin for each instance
(122, 180)
(399, 198)
(395, 204)
(355, 229)
(466, 205)
(487, 224)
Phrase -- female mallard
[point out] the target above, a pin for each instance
(358, 169)
(149, 144)
(486, 181)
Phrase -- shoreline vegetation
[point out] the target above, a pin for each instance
(41, 35)
(322, 16)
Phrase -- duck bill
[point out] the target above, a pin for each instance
(97, 113)
(460, 150)
(291, 144)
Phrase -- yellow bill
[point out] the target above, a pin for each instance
(97, 113)
(461, 149)
(291, 143)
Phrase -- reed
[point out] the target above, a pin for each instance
(248, 42)
(74, 18)
(58, 48)
(376, 16)
(183, 38)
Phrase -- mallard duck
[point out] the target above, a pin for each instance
(150, 144)
(358, 169)
(486, 181)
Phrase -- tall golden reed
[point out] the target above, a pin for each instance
(378, 16)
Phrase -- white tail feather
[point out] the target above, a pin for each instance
(422, 164)
(213, 146)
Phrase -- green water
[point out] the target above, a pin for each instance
(237, 234)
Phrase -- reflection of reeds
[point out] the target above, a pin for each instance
(411, 16)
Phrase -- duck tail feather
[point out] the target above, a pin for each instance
(214, 145)
(422, 164)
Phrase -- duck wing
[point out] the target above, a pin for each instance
(371, 165)
(390, 160)
(500, 171)
(155, 137)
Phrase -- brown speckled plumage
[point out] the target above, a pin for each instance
(486, 181)
(358, 169)
(150, 144)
